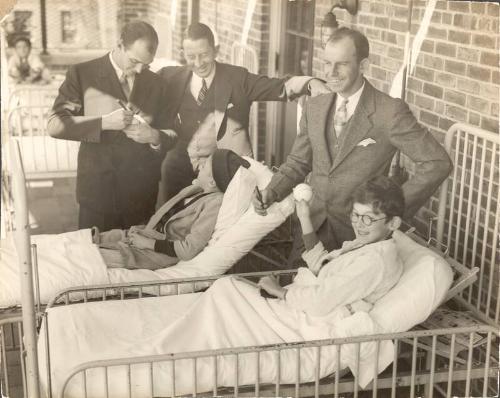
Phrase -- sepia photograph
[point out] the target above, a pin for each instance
(259, 198)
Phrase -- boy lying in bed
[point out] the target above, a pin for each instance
(181, 228)
(359, 273)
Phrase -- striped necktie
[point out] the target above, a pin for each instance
(125, 85)
(340, 118)
(203, 92)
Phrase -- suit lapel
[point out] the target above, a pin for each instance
(222, 92)
(141, 90)
(108, 80)
(156, 218)
(358, 126)
(319, 123)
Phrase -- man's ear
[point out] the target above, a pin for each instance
(364, 64)
(395, 223)
(216, 50)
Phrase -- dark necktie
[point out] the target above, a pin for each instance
(203, 92)
(340, 118)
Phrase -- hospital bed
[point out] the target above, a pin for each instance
(438, 373)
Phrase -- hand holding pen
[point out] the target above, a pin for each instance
(262, 200)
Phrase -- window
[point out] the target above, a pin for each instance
(68, 27)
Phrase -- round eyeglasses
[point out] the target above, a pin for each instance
(365, 218)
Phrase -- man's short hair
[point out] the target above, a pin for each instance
(139, 30)
(197, 31)
(359, 39)
(383, 194)
(25, 39)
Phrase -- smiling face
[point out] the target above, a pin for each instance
(134, 58)
(343, 71)
(200, 56)
(380, 225)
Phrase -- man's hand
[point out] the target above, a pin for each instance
(140, 241)
(270, 284)
(142, 133)
(117, 120)
(317, 87)
(263, 201)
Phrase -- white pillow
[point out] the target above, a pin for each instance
(423, 285)
(238, 195)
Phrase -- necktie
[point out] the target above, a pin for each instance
(203, 92)
(340, 118)
(125, 85)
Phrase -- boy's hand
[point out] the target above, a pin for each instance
(302, 209)
(270, 285)
(140, 241)
(263, 201)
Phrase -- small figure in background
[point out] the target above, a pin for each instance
(26, 67)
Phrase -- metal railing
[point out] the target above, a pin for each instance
(469, 211)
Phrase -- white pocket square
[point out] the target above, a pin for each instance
(366, 142)
(230, 105)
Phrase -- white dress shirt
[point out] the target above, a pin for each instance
(197, 82)
(119, 72)
(352, 101)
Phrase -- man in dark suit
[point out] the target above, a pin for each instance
(115, 107)
(210, 103)
(348, 137)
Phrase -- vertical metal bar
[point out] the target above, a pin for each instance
(257, 374)
(469, 202)
(375, 370)
(450, 372)
(236, 375)
(453, 188)
(413, 367)
(151, 380)
(140, 291)
(492, 258)
(278, 373)
(44, 137)
(356, 375)
(66, 298)
(487, 365)
(394, 368)
(478, 214)
(104, 294)
(318, 372)
(84, 380)
(173, 378)
(215, 374)
(47, 353)
(85, 296)
(106, 383)
(297, 373)
(195, 379)
(337, 372)
(433, 366)
(469, 364)
(129, 382)
(461, 195)
(122, 293)
(21, 358)
(34, 259)
(4, 360)
(159, 290)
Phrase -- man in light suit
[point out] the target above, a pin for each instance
(210, 103)
(122, 145)
(348, 137)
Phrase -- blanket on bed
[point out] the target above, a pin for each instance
(229, 314)
(64, 260)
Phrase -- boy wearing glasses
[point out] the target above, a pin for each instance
(359, 273)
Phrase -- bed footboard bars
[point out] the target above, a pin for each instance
(428, 369)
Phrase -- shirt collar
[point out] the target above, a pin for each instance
(197, 80)
(118, 70)
(352, 99)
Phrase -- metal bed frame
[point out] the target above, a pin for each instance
(432, 374)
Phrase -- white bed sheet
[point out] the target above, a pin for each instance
(230, 314)
(64, 260)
